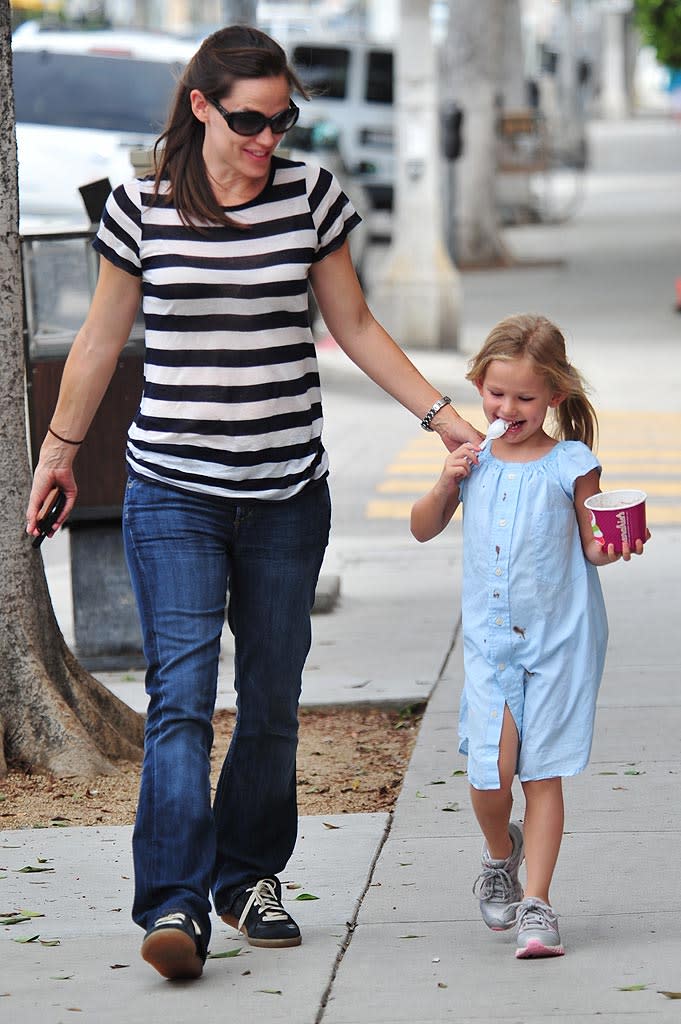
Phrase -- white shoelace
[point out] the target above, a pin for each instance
(176, 919)
(535, 914)
(264, 897)
(494, 884)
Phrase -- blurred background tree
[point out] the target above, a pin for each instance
(660, 25)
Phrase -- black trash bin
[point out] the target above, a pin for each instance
(60, 270)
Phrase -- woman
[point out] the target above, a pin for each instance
(227, 473)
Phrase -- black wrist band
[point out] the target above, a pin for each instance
(60, 438)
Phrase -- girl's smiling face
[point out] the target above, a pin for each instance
(513, 391)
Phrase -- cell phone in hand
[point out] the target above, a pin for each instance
(49, 513)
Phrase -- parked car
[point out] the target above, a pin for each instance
(84, 100)
(352, 87)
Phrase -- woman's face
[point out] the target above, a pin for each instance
(245, 156)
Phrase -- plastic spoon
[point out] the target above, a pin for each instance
(494, 431)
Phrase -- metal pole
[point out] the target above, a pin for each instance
(417, 294)
(239, 12)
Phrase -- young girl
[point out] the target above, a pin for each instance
(534, 622)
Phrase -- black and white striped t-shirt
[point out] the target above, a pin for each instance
(231, 404)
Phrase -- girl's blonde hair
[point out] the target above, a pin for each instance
(542, 342)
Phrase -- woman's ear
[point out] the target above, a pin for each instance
(199, 104)
(556, 400)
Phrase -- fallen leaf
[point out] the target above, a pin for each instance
(441, 984)
(270, 991)
(633, 771)
(327, 824)
(451, 807)
(20, 917)
(669, 995)
(459, 771)
(50, 942)
(227, 955)
(30, 870)
(633, 988)
(437, 782)
(24, 940)
(306, 896)
(118, 967)
(61, 977)
(293, 885)
(411, 936)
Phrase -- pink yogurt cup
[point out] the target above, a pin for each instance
(618, 517)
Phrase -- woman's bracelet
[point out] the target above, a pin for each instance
(434, 410)
(60, 438)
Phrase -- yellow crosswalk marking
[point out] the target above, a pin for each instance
(635, 450)
(653, 488)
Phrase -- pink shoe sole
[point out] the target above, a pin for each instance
(536, 949)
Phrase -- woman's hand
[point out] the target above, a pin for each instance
(51, 472)
(454, 430)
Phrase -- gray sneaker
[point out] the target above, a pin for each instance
(538, 933)
(497, 886)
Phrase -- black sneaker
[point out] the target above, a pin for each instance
(258, 913)
(172, 946)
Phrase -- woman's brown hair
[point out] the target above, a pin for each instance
(542, 342)
(225, 57)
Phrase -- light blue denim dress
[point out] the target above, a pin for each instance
(534, 622)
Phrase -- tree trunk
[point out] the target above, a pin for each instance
(54, 716)
(473, 57)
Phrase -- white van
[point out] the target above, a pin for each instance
(352, 87)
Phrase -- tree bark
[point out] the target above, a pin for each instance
(473, 62)
(54, 716)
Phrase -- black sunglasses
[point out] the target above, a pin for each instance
(252, 122)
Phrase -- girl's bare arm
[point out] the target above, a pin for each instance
(585, 487)
(431, 513)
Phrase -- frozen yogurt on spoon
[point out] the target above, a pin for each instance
(494, 431)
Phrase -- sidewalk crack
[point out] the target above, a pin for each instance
(352, 923)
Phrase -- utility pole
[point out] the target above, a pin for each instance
(417, 294)
(239, 12)
(614, 99)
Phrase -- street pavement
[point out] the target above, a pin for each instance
(395, 934)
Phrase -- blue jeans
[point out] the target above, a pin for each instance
(185, 552)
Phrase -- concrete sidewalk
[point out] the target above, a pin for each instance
(420, 952)
(395, 934)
